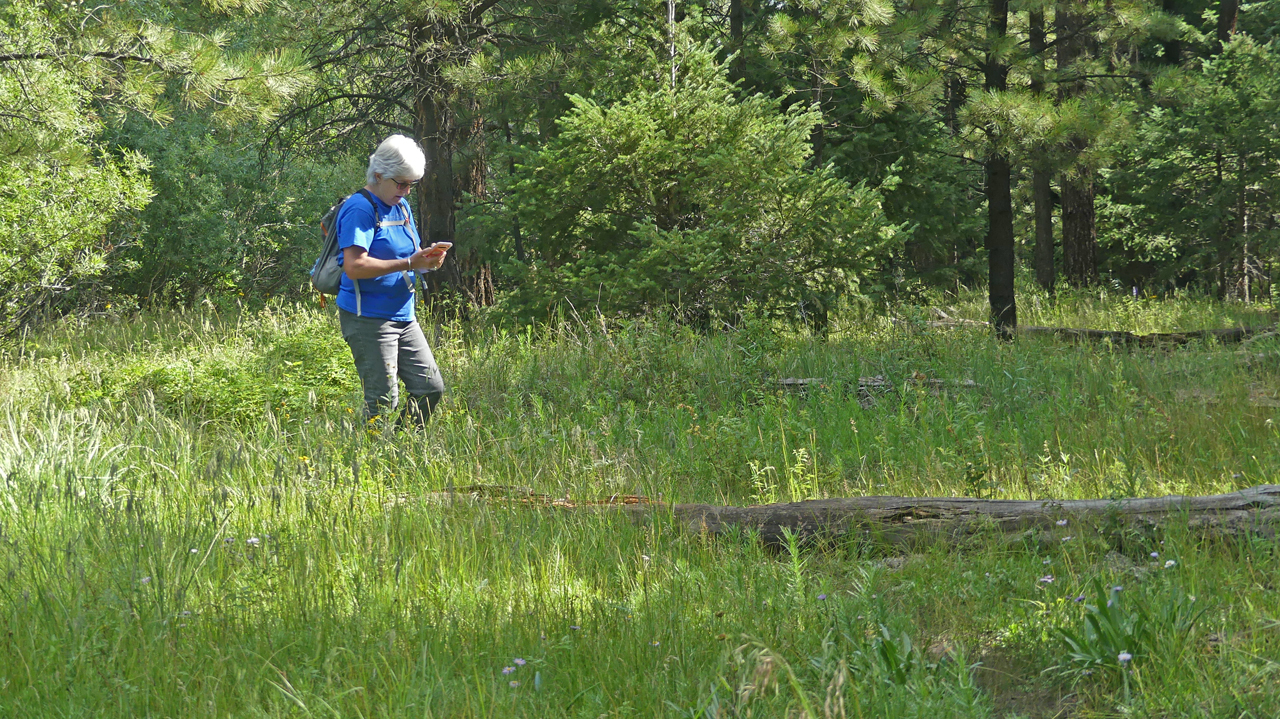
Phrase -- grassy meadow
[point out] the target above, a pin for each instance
(195, 523)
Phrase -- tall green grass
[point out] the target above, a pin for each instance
(195, 523)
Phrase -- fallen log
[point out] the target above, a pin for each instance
(899, 520)
(1224, 336)
(909, 520)
(870, 389)
(1229, 335)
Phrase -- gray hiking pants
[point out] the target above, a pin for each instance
(384, 351)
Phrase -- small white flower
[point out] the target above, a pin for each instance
(253, 541)
(1169, 563)
(1061, 522)
(1124, 657)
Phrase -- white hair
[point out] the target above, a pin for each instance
(396, 157)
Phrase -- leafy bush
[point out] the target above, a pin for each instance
(687, 195)
(297, 364)
(223, 221)
(58, 191)
(1115, 637)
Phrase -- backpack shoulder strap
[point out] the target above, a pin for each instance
(413, 235)
(377, 214)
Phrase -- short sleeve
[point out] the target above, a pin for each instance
(356, 224)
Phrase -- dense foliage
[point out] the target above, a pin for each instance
(711, 154)
(687, 194)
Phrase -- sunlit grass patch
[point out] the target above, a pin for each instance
(196, 524)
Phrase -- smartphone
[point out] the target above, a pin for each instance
(439, 247)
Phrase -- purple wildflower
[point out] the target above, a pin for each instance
(508, 670)
(1124, 657)
(1061, 522)
(519, 662)
(822, 597)
(1046, 579)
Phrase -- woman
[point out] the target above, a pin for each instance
(381, 258)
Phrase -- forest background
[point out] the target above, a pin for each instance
(701, 200)
(787, 157)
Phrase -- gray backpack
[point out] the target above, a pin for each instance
(326, 273)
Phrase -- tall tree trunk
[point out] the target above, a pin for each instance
(1079, 229)
(516, 235)
(1079, 232)
(1042, 191)
(464, 271)
(818, 138)
(434, 125)
(1004, 312)
(737, 41)
(1172, 46)
(438, 132)
(1228, 13)
(954, 96)
(435, 199)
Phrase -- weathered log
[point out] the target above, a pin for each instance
(1224, 336)
(1229, 335)
(954, 520)
(870, 389)
(898, 520)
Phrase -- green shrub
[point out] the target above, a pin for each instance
(687, 195)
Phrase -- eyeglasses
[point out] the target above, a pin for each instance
(404, 186)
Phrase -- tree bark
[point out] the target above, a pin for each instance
(434, 124)
(1228, 13)
(904, 520)
(1172, 46)
(912, 520)
(1224, 336)
(464, 270)
(1004, 312)
(737, 41)
(955, 92)
(516, 235)
(1079, 231)
(1041, 178)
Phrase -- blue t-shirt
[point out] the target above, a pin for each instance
(389, 296)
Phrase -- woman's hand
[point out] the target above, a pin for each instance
(430, 258)
(358, 265)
